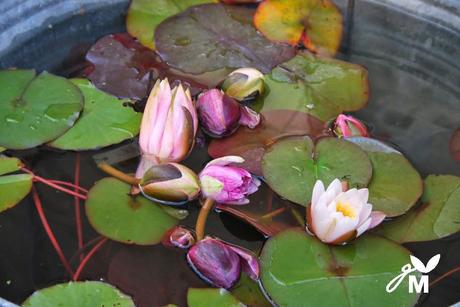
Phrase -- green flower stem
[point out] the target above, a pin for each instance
(118, 174)
(202, 217)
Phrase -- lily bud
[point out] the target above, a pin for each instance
(249, 117)
(244, 84)
(169, 124)
(171, 184)
(227, 184)
(180, 237)
(337, 217)
(220, 263)
(346, 126)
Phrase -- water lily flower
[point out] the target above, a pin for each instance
(244, 84)
(336, 216)
(227, 184)
(346, 126)
(170, 183)
(220, 263)
(169, 124)
(249, 117)
(181, 237)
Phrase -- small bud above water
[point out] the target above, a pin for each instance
(347, 125)
(244, 84)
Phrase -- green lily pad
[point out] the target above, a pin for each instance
(145, 15)
(396, 185)
(79, 294)
(437, 217)
(104, 121)
(299, 270)
(207, 297)
(292, 165)
(134, 220)
(35, 109)
(320, 86)
(249, 293)
(13, 188)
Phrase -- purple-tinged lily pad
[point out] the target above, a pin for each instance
(454, 144)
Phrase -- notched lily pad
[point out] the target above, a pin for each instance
(104, 121)
(35, 109)
(117, 215)
(79, 294)
(13, 188)
(208, 297)
(291, 166)
(209, 37)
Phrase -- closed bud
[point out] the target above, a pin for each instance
(346, 126)
(180, 237)
(244, 84)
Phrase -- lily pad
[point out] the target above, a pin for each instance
(209, 37)
(396, 185)
(79, 294)
(317, 24)
(299, 270)
(249, 293)
(145, 15)
(104, 121)
(207, 297)
(316, 85)
(291, 166)
(35, 109)
(437, 217)
(13, 188)
(117, 215)
(454, 145)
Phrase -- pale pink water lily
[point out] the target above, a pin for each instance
(347, 125)
(226, 183)
(337, 217)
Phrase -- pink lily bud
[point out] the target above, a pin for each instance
(336, 216)
(346, 126)
(249, 117)
(169, 124)
(170, 183)
(220, 263)
(180, 237)
(227, 184)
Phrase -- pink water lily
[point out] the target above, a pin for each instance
(226, 183)
(347, 125)
(336, 216)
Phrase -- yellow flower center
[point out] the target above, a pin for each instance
(346, 209)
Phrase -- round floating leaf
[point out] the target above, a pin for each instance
(291, 166)
(145, 15)
(104, 121)
(121, 217)
(317, 24)
(299, 270)
(249, 292)
(79, 294)
(13, 188)
(396, 185)
(9, 165)
(209, 37)
(437, 217)
(35, 109)
(202, 297)
(316, 85)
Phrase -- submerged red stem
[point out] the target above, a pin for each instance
(69, 184)
(78, 224)
(448, 273)
(87, 258)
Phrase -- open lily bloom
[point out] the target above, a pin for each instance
(227, 184)
(337, 217)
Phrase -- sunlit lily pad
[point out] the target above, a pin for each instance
(299, 270)
(396, 185)
(120, 217)
(209, 37)
(104, 121)
(317, 24)
(145, 15)
(291, 166)
(13, 188)
(437, 217)
(207, 297)
(35, 109)
(79, 294)
(316, 85)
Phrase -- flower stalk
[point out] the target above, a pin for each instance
(202, 217)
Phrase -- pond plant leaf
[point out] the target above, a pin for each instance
(454, 145)
(208, 297)
(299, 270)
(317, 24)
(291, 166)
(134, 220)
(209, 37)
(395, 185)
(35, 109)
(145, 15)
(322, 87)
(437, 217)
(249, 293)
(13, 188)
(104, 121)
(79, 294)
